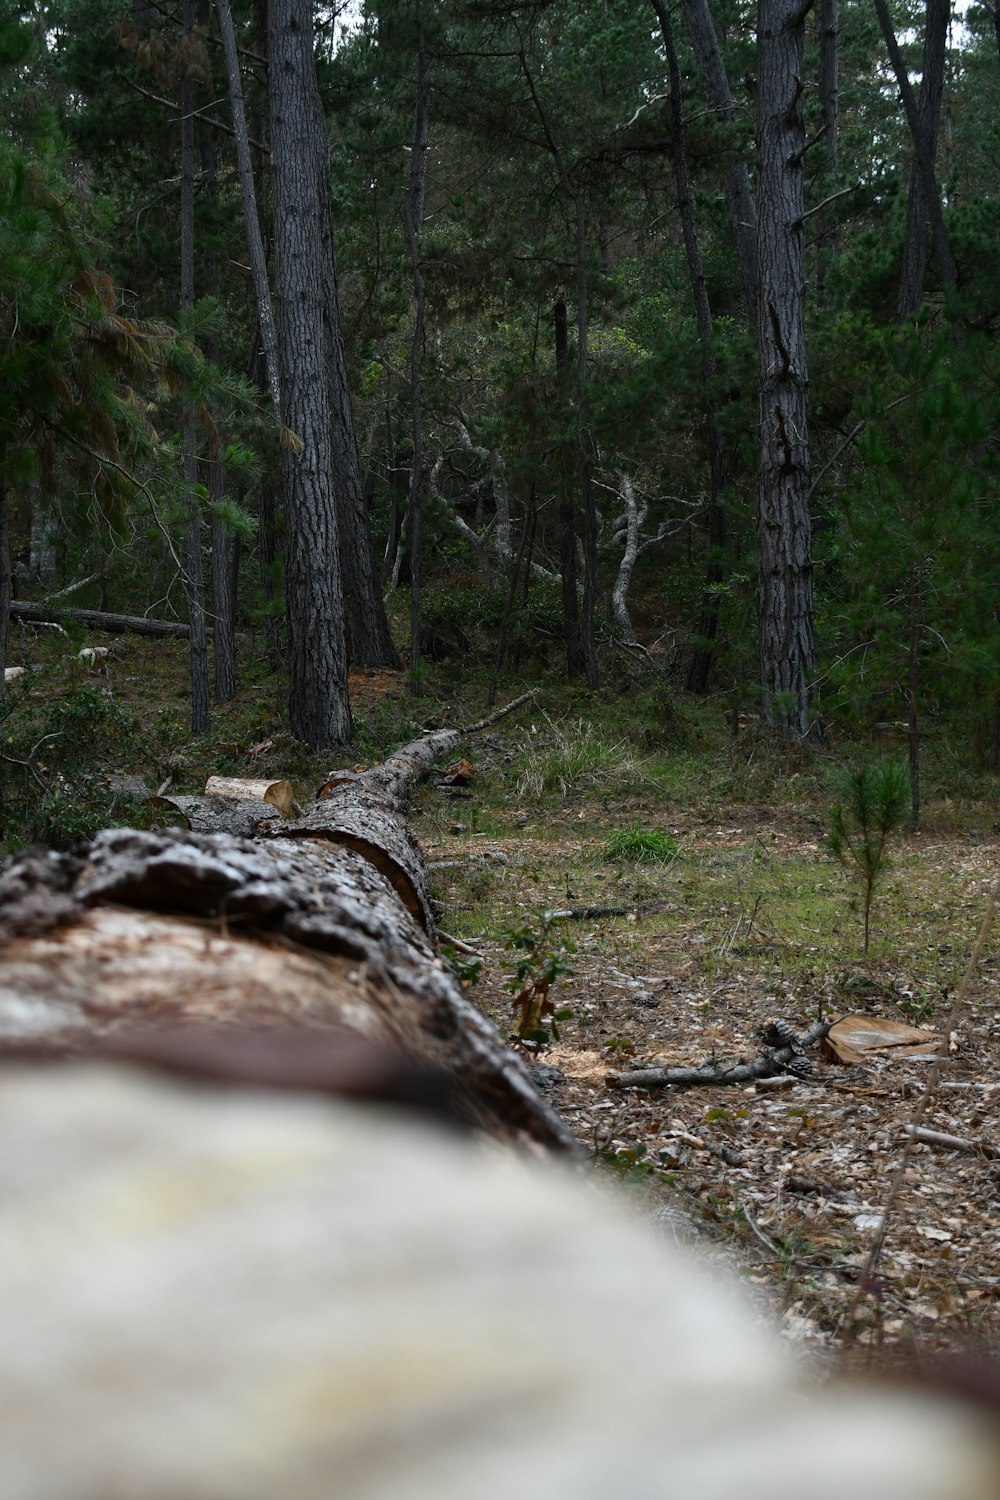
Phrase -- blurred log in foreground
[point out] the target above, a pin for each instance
(241, 1295)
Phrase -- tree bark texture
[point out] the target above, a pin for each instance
(321, 926)
(319, 712)
(742, 211)
(784, 532)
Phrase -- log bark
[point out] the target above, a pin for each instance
(325, 928)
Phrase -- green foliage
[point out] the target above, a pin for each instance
(874, 803)
(467, 969)
(633, 1166)
(53, 782)
(540, 961)
(640, 845)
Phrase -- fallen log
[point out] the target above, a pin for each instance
(788, 1056)
(96, 619)
(310, 927)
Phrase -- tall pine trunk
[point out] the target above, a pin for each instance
(742, 211)
(194, 582)
(922, 120)
(567, 508)
(319, 712)
(369, 640)
(413, 218)
(918, 206)
(251, 219)
(701, 660)
(784, 530)
(223, 635)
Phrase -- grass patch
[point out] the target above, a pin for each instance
(640, 845)
(576, 757)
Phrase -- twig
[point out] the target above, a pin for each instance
(454, 942)
(752, 1224)
(914, 1124)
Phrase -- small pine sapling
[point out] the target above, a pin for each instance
(538, 966)
(874, 803)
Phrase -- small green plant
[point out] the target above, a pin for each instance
(634, 1167)
(918, 1006)
(875, 798)
(467, 969)
(653, 846)
(539, 963)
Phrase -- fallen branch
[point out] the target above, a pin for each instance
(926, 1137)
(775, 1059)
(585, 913)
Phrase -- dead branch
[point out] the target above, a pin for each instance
(775, 1059)
(926, 1137)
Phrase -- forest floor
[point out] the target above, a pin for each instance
(750, 920)
(742, 918)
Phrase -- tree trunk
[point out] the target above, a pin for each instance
(918, 212)
(567, 510)
(829, 103)
(369, 640)
(413, 218)
(742, 212)
(248, 189)
(586, 479)
(222, 595)
(923, 130)
(194, 581)
(701, 660)
(319, 712)
(784, 534)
